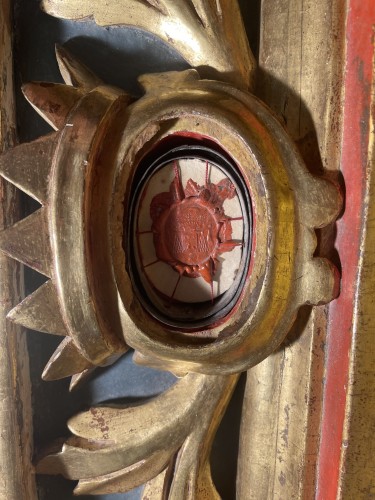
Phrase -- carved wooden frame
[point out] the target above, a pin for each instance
(344, 410)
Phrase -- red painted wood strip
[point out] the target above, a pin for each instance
(359, 58)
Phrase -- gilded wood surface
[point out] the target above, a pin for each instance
(115, 454)
(16, 477)
(117, 449)
(283, 398)
(301, 79)
(209, 34)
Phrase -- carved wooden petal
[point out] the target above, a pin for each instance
(110, 440)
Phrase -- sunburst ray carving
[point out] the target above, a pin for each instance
(40, 311)
(65, 361)
(52, 101)
(30, 167)
(27, 241)
(74, 72)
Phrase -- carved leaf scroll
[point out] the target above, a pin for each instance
(116, 449)
(209, 34)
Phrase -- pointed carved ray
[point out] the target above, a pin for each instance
(28, 242)
(74, 72)
(40, 311)
(208, 34)
(53, 101)
(65, 361)
(28, 166)
(80, 378)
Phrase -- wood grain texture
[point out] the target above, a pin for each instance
(300, 78)
(16, 478)
(346, 455)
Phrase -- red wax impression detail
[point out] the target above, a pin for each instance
(189, 226)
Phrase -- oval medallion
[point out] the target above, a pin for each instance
(191, 236)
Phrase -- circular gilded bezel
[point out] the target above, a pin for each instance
(244, 129)
(80, 189)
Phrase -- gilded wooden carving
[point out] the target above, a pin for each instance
(98, 180)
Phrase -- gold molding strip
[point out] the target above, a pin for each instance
(283, 397)
(16, 478)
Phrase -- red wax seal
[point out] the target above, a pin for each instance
(189, 226)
